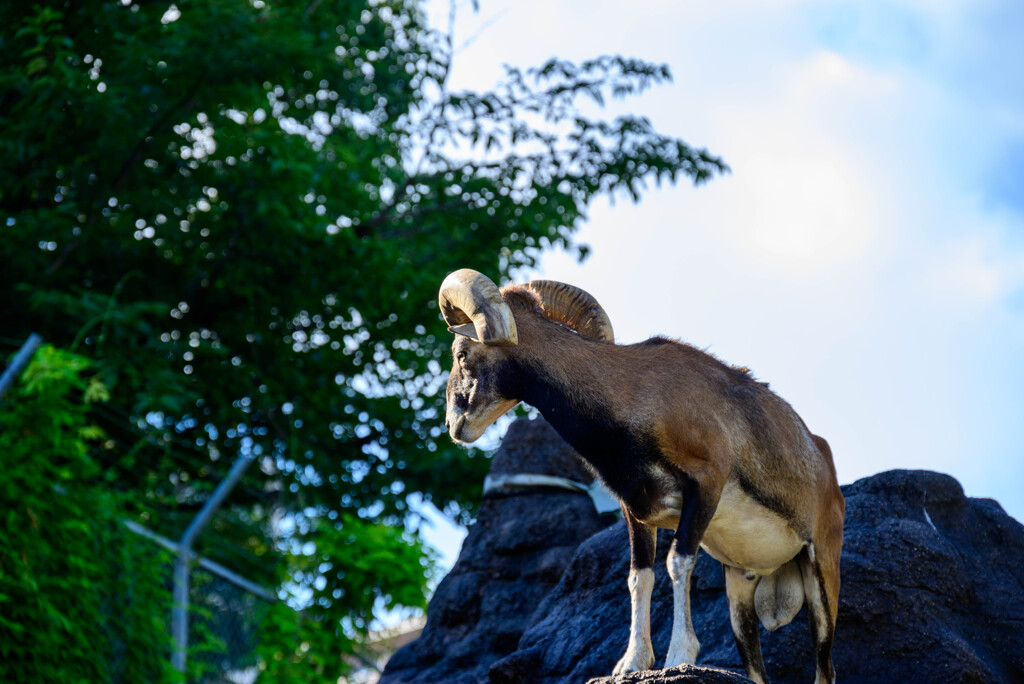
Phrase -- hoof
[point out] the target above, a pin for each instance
(634, 662)
(682, 655)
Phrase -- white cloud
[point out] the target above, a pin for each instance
(974, 269)
(801, 204)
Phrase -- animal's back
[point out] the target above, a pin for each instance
(701, 405)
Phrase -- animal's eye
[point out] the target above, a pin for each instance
(461, 356)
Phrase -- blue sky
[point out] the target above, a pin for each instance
(866, 254)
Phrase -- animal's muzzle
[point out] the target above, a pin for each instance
(455, 421)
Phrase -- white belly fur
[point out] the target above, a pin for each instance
(746, 535)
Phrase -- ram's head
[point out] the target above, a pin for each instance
(484, 383)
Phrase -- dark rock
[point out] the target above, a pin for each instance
(684, 674)
(533, 446)
(932, 591)
(512, 557)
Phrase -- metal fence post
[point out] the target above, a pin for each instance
(19, 362)
(179, 613)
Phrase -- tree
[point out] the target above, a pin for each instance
(240, 213)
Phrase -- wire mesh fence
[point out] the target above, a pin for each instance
(224, 621)
(128, 589)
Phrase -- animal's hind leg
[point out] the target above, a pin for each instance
(642, 543)
(821, 587)
(743, 618)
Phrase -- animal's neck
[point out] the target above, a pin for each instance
(570, 406)
(561, 381)
(559, 376)
(578, 402)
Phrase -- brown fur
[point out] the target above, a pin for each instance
(688, 422)
(709, 418)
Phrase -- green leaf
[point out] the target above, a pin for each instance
(36, 65)
(96, 391)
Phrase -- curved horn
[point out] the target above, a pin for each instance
(573, 308)
(472, 306)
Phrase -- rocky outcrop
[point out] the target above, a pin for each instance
(684, 674)
(933, 591)
(512, 557)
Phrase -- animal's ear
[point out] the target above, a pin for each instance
(466, 330)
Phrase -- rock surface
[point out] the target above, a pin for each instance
(932, 591)
(684, 674)
(512, 557)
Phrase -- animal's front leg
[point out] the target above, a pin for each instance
(642, 543)
(696, 514)
(683, 647)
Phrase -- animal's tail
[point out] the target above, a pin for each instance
(779, 596)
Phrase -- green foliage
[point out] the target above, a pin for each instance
(80, 600)
(240, 213)
(355, 569)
